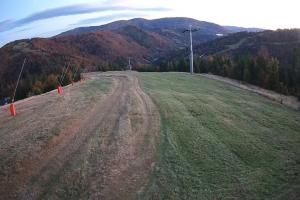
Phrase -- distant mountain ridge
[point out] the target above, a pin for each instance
(177, 23)
(235, 29)
(171, 28)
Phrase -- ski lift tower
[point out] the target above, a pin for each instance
(129, 64)
(191, 48)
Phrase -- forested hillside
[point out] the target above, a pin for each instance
(97, 51)
(269, 59)
(100, 48)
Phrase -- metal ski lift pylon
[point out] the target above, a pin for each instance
(191, 47)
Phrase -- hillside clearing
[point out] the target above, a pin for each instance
(221, 142)
(99, 141)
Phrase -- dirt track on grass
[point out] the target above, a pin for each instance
(105, 152)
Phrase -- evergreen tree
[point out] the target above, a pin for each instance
(260, 67)
(272, 74)
(247, 74)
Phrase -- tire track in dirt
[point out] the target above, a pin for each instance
(130, 156)
(33, 172)
(126, 121)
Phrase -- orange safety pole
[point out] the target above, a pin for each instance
(12, 107)
(60, 89)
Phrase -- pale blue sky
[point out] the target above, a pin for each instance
(43, 18)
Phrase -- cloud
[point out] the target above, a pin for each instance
(70, 10)
(108, 18)
(5, 24)
(24, 29)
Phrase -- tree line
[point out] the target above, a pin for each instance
(262, 70)
(38, 83)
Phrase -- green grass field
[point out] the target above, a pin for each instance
(221, 142)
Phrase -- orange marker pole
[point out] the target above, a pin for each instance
(60, 89)
(12, 109)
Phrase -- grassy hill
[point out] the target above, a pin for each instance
(221, 142)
